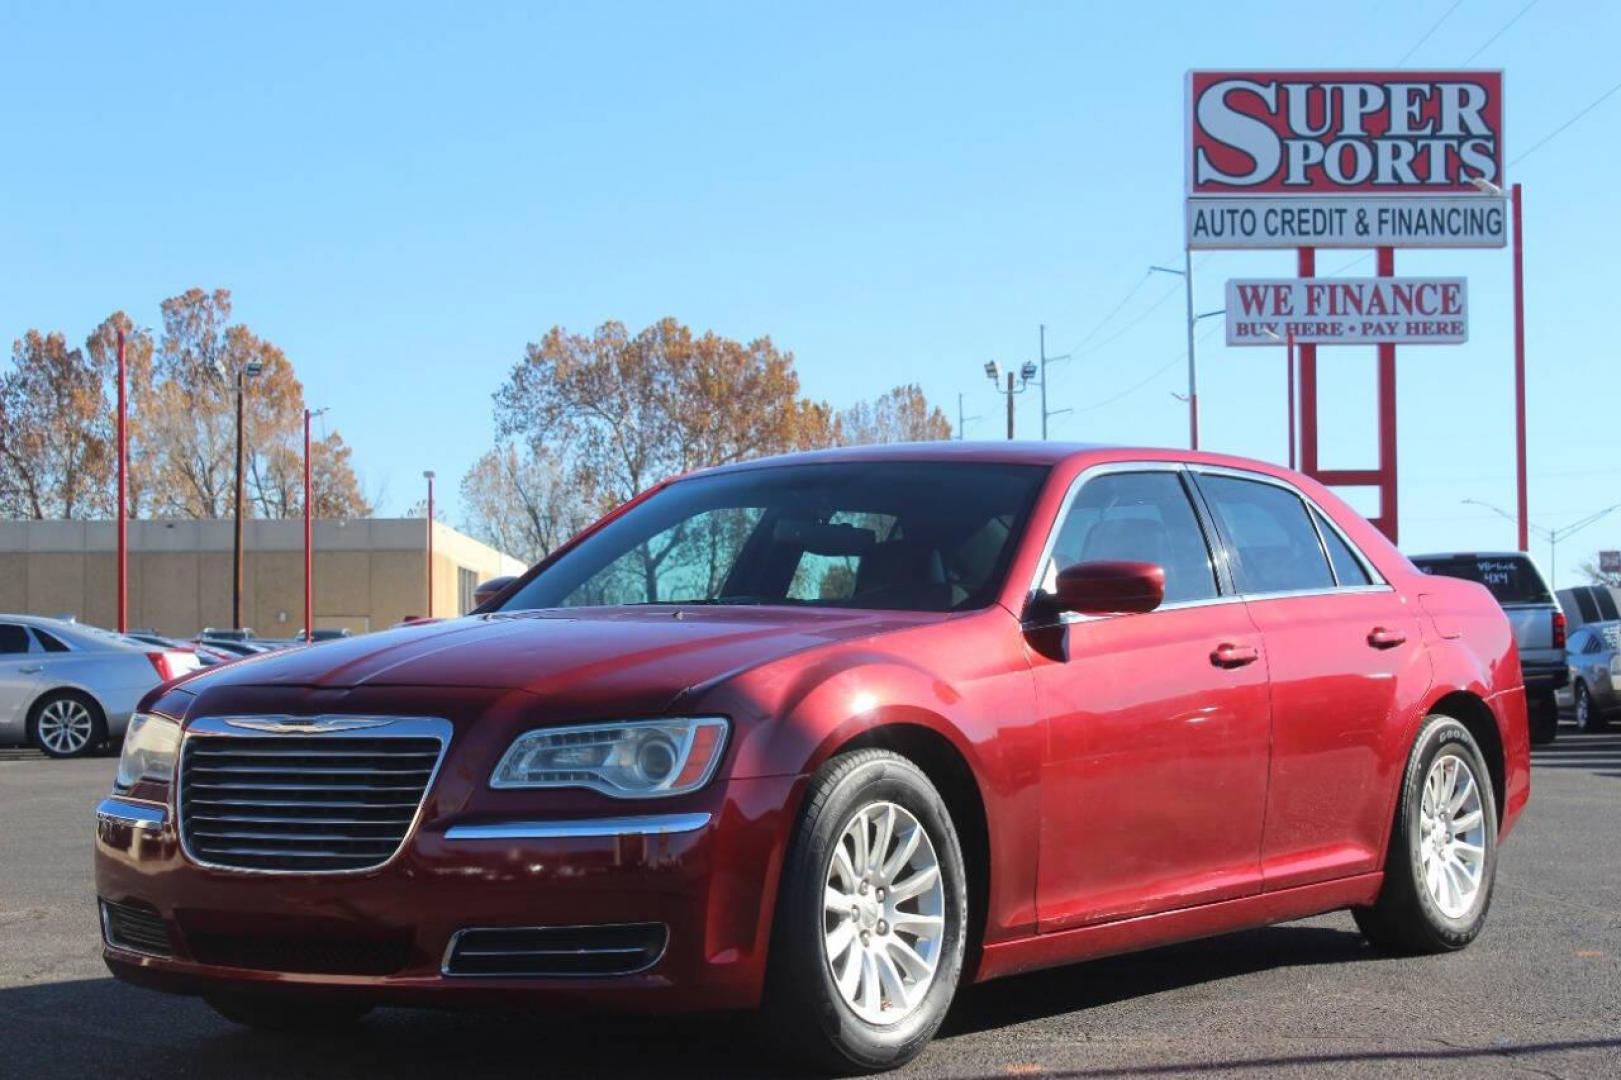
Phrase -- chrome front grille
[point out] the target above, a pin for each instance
(310, 801)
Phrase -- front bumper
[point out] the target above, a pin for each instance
(706, 873)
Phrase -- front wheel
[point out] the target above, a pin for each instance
(65, 724)
(871, 926)
(1443, 850)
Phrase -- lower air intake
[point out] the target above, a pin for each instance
(137, 929)
(556, 951)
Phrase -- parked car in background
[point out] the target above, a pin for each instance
(829, 735)
(487, 590)
(1594, 658)
(1539, 623)
(230, 647)
(68, 688)
(331, 633)
(1585, 604)
(205, 656)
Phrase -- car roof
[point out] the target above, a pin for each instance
(1472, 555)
(1014, 451)
(76, 632)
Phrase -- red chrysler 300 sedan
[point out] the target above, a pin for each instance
(828, 735)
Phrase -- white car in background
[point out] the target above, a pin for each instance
(68, 689)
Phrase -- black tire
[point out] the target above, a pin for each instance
(98, 724)
(1406, 918)
(1543, 718)
(264, 1012)
(806, 1016)
(1588, 718)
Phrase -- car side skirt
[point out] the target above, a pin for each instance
(1186, 924)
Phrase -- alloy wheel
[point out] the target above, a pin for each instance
(66, 726)
(1452, 835)
(884, 913)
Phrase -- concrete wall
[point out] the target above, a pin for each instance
(369, 574)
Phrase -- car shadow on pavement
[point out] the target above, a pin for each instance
(1102, 982)
(152, 1034)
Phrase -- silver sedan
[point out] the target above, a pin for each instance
(1594, 655)
(68, 689)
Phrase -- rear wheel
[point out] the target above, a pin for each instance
(1588, 718)
(268, 1013)
(66, 724)
(1443, 850)
(871, 925)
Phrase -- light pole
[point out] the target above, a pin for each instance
(1045, 360)
(428, 476)
(1186, 274)
(309, 533)
(1026, 373)
(1553, 536)
(250, 370)
(1289, 363)
(123, 492)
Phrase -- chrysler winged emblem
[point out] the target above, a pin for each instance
(325, 725)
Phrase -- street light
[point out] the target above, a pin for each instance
(427, 474)
(309, 534)
(1289, 362)
(993, 371)
(1553, 536)
(1186, 273)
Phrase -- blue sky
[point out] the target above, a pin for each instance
(402, 196)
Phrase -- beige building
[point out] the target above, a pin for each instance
(369, 573)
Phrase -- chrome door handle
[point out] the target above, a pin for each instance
(30, 669)
(1383, 638)
(1228, 655)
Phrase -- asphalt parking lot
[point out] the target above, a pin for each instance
(1539, 994)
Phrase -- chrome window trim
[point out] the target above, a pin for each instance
(1372, 571)
(646, 825)
(450, 950)
(134, 813)
(213, 727)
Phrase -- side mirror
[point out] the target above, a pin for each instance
(487, 589)
(1110, 588)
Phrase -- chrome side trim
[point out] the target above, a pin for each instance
(149, 817)
(649, 825)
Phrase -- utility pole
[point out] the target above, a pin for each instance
(962, 421)
(1010, 405)
(1186, 273)
(1045, 360)
(309, 533)
(1024, 376)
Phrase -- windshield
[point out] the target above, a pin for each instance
(897, 535)
(1512, 579)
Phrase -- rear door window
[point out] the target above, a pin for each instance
(13, 639)
(1275, 545)
(1348, 569)
(1512, 579)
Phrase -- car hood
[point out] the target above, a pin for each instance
(638, 652)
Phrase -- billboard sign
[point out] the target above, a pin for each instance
(1343, 132)
(1437, 221)
(1609, 562)
(1348, 311)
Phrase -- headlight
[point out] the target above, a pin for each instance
(632, 760)
(150, 745)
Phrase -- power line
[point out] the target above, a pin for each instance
(1500, 32)
(1181, 358)
(1556, 132)
(1120, 333)
(1445, 15)
(1135, 289)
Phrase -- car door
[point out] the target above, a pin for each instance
(1347, 671)
(1154, 781)
(19, 674)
